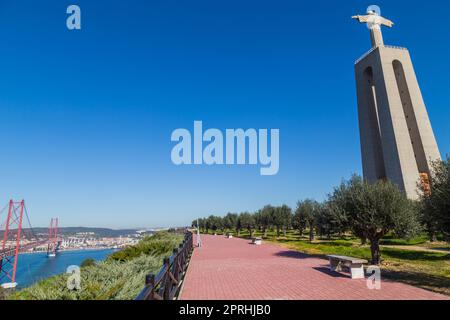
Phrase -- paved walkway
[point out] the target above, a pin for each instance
(227, 269)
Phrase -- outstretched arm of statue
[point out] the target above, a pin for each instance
(362, 19)
(374, 19)
(386, 22)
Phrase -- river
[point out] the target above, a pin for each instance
(37, 266)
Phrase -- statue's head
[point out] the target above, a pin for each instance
(374, 10)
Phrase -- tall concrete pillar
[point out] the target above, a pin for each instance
(397, 141)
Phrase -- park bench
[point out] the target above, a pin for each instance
(355, 265)
(229, 235)
(257, 241)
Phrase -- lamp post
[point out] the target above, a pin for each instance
(199, 241)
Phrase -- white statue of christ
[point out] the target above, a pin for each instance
(374, 22)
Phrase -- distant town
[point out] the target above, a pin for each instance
(80, 238)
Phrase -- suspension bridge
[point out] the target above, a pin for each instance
(18, 239)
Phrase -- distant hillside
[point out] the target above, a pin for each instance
(70, 231)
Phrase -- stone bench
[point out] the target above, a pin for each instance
(355, 265)
(257, 241)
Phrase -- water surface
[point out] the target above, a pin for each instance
(37, 266)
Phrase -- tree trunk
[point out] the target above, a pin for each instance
(311, 234)
(238, 232)
(278, 231)
(363, 241)
(284, 231)
(250, 231)
(375, 250)
(432, 236)
(265, 232)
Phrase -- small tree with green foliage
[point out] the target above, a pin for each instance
(257, 217)
(307, 212)
(374, 210)
(195, 223)
(215, 223)
(286, 215)
(3, 293)
(207, 223)
(263, 219)
(435, 205)
(247, 221)
(230, 221)
(239, 225)
(330, 220)
(89, 262)
(298, 223)
(201, 224)
(281, 218)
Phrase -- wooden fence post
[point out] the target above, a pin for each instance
(170, 275)
(167, 280)
(176, 262)
(150, 284)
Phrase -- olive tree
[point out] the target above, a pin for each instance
(435, 205)
(3, 293)
(282, 218)
(207, 224)
(247, 221)
(306, 213)
(230, 221)
(202, 224)
(265, 218)
(298, 222)
(330, 220)
(238, 225)
(373, 210)
(214, 223)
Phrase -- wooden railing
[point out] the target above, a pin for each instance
(167, 283)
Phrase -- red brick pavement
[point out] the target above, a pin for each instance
(228, 269)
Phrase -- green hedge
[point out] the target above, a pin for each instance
(120, 277)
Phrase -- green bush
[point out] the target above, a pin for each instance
(3, 294)
(89, 262)
(120, 277)
(161, 243)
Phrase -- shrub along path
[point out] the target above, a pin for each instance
(235, 269)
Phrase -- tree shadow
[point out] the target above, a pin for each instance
(284, 240)
(330, 273)
(293, 254)
(443, 249)
(438, 284)
(415, 255)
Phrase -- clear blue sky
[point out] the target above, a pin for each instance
(86, 116)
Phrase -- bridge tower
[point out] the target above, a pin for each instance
(53, 243)
(11, 243)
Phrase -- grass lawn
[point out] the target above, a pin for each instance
(425, 269)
